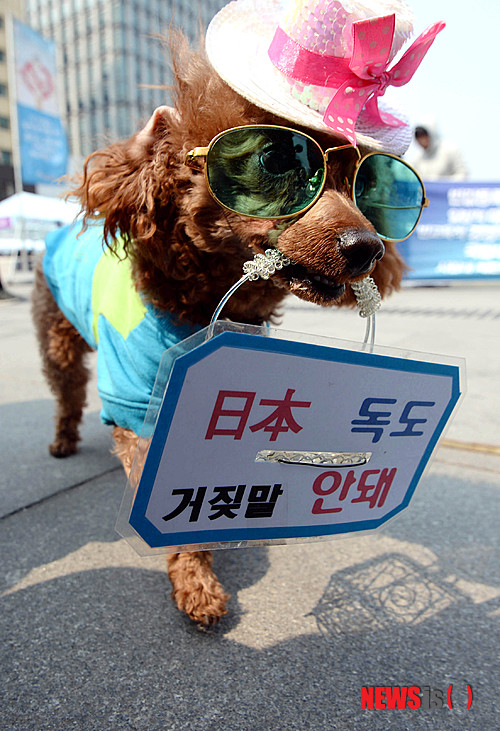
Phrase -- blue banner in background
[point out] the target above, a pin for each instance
(43, 144)
(458, 236)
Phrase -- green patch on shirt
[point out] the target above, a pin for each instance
(114, 295)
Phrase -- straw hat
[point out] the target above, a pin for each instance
(322, 64)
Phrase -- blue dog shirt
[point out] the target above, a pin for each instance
(95, 291)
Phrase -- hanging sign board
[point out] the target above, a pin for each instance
(264, 439)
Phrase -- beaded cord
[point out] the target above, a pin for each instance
(265, 265)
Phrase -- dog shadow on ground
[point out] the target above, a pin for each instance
(101, 646)
(101, 649)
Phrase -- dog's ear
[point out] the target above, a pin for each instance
(156, 126)
(126, 187)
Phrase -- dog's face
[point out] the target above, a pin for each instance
(267, 171)
(188, 250)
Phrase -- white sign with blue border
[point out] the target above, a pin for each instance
(265, 439)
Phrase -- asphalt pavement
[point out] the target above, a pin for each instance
(92, 640)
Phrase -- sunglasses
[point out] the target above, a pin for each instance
(268, 171)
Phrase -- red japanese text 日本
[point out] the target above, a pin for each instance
(232, 411)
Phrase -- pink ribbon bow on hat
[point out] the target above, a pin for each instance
(360, 80)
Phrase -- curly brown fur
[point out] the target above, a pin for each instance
(63, 353)
(142, 188)
(186, 251)
(196, 589)
(125, 446)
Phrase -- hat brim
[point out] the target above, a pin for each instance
(237, 43)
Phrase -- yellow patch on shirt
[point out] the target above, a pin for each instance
(114, 295)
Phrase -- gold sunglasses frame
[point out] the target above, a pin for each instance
(192, 160)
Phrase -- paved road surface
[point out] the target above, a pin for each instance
(92, 641)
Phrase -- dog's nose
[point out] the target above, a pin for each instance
(361, 249)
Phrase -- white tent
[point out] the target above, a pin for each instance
(26, 218)
(38, 207)
(25, 221)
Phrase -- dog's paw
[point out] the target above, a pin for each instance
(63, 448)
(205, 607)
(196, 589)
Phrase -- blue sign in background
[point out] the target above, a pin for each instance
(458, 236)
(43, 146)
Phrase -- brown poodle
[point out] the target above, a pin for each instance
(185, 251)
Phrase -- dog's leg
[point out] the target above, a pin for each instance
(62, 349)
(125, 446)
(196, 589)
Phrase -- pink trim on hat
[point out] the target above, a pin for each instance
(306, 66)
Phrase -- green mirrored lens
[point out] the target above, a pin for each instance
(265, 172)
(389, 193)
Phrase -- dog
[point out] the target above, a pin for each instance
(157, 220)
